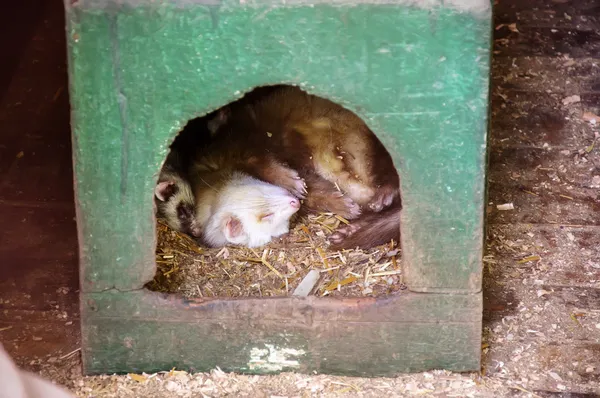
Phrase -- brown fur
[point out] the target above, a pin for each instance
(287, 133)
(368, 231)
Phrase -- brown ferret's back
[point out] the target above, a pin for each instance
(313, 136)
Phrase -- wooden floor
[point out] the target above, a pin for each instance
(542, 266)
(38, 241)
(542, 316)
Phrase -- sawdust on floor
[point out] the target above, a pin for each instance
(174, 383)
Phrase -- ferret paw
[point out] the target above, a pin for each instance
(342, 233)
(344, 206)
(383, 198)
(294, 183)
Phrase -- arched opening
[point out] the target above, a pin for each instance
(277, 194)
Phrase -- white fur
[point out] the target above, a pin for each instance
(247, 198)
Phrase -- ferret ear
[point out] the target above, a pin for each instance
(164, 190)
(219, 120)
(233, 229)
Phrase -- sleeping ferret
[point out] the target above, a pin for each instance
(224, 207)
(317, 150)
(235, 208)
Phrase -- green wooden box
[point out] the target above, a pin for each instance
(415, 70)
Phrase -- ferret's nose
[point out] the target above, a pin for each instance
(295, 203)
(196, 231)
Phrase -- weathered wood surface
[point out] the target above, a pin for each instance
(417, 75)
(147, 331)
(540, 316)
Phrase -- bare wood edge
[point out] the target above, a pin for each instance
(401, 308)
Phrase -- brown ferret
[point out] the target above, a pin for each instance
(174, 197)
(314, 148)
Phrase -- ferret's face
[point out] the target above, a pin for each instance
(257, 212)
(176, 205)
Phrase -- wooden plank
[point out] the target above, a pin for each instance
(147, 331)
(523, 118)
(568, 255)
(40, 232)
(548, 41)
(533, 74)
(544, 185)
(582, 14)
(577, 298)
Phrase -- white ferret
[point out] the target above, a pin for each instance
(234, 208)
(224, 207)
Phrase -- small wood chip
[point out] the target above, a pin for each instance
(591, 117)
(138, 378)
(506, 206)
(342, 219)
(572, 99)
(335, 284)
(529, 259)
(307, 284)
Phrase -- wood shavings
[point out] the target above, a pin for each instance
(323, 257)
(506, 206)
(265, 262)
(529, 259)
(572, 99)
(590, 147)
(542, 292)
(591, 117)
(385, 273)
(336, 285)
(342, 219)
(70, 354)
(277, 269)
(138, 378)
(512, 27)
(307, 284)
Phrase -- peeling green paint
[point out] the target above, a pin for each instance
(416, 71)
(274, 358)
(418, 77)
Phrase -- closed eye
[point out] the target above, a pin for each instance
(266, 217)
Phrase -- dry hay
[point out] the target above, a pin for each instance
(277, 268)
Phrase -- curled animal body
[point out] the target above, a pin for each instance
(222, 207)
(314, 148)
(235, 208)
